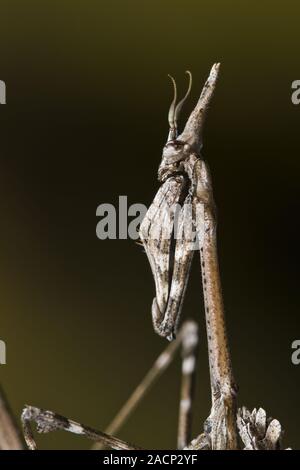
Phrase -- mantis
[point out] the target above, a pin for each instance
(186, 183)
(180, 221)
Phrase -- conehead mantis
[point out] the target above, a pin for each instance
(186, 182)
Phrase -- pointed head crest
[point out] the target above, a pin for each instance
(191, 136)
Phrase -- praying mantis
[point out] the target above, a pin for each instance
(186, 181)
(180, 221)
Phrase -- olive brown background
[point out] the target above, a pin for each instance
(85, 122)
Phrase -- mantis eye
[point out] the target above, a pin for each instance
(177, 146)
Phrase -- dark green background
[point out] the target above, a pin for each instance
(85, 121)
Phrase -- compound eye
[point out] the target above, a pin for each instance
(177, 146)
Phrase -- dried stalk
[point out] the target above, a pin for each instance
(9, 432)
(189, 357)
(188, 339)
(256, 431)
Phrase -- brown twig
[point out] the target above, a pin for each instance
(187, 338)
(190, 339)
(9, 433)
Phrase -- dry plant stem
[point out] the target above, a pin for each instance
(148, 381)
(189, 360)
(9, 433)
(48, 421)
(188, 338)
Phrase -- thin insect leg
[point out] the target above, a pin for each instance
(27, 430)
(190, 341)
(159, 366)
(47, 421)
(9, 433)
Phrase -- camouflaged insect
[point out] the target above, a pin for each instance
(174, 223)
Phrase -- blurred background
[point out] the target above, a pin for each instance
(85, 122)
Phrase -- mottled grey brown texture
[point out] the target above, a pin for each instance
(186, 184)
